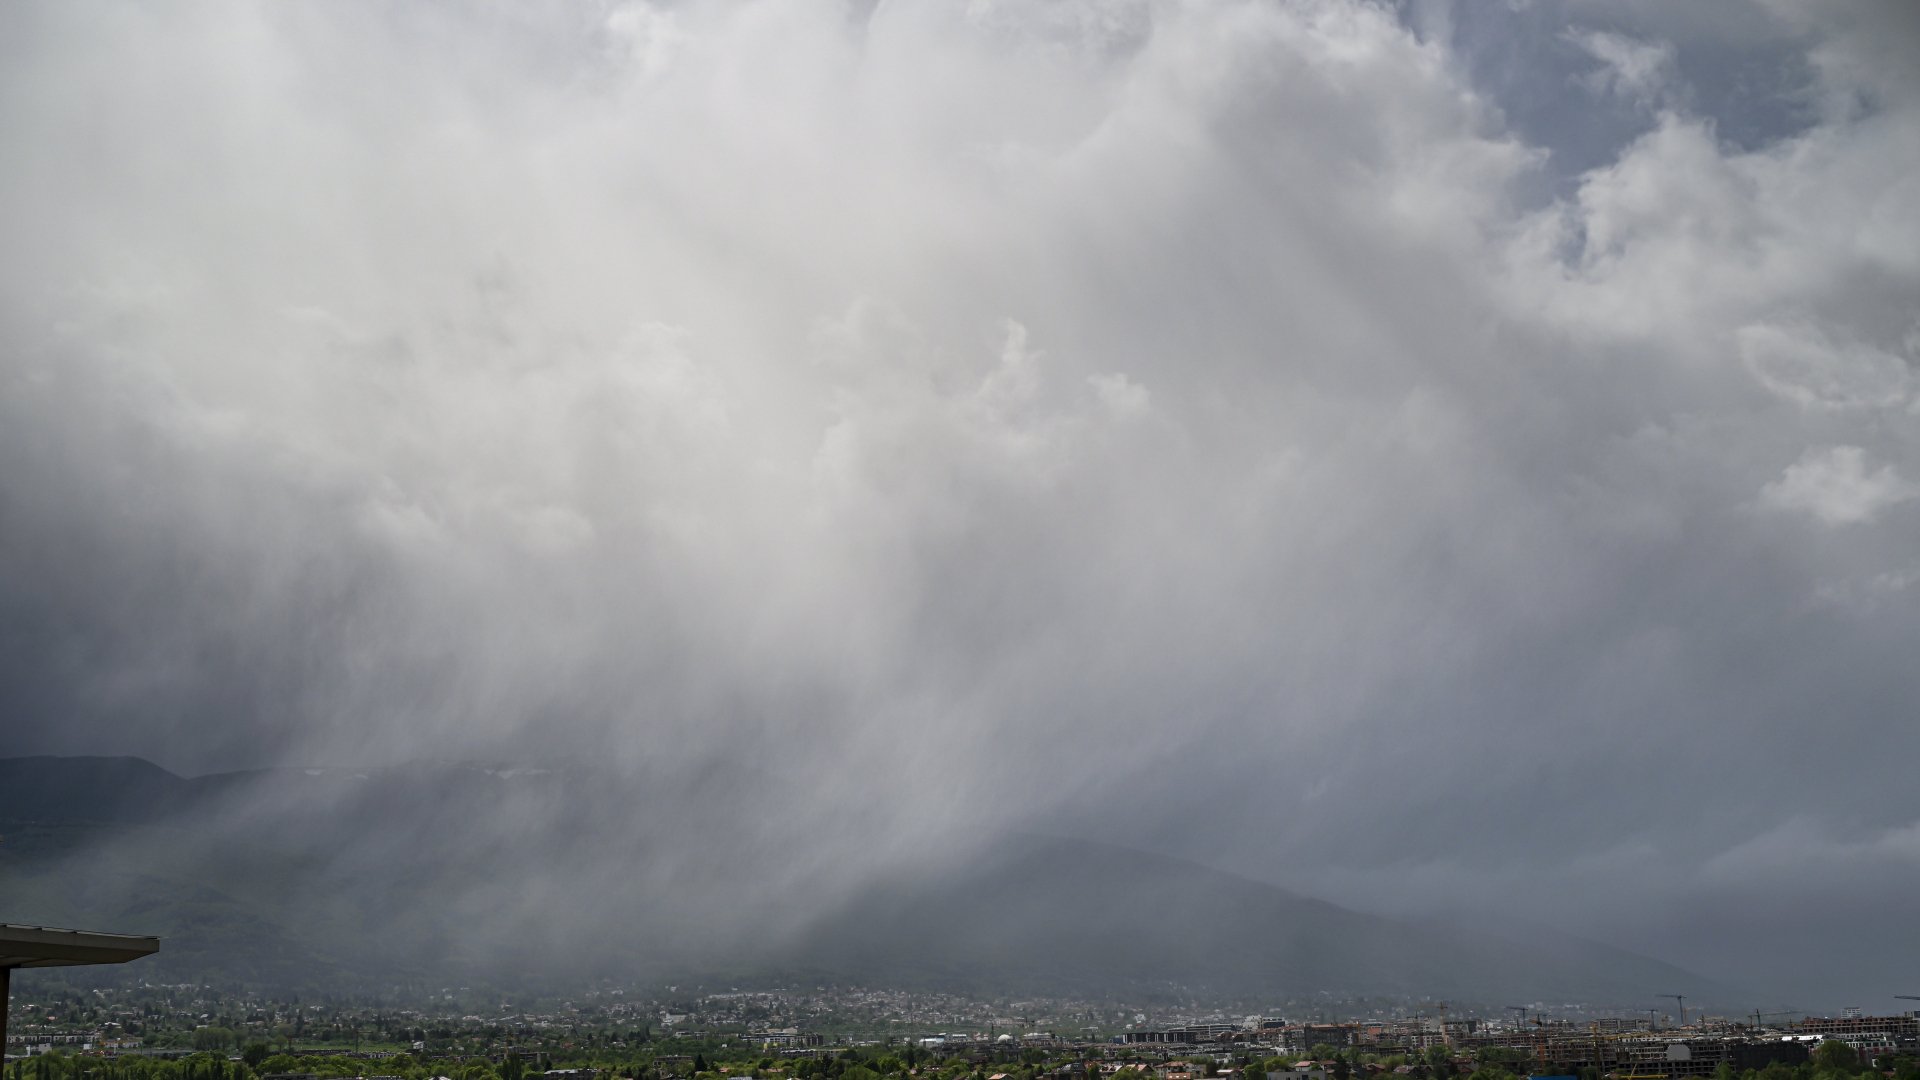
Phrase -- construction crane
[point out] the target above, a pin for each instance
(1682, 999)
(1757, 1015)
(1522, 1010)
(1446, 1036)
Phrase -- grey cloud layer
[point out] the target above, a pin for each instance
(1168, 419)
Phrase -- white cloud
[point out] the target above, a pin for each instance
(1835, 486)
(1123, 398)
(1640, 71)
(1800, 365)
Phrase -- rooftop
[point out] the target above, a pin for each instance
(46, 946)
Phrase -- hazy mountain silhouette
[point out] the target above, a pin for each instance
(430, 871)
(1062, 914)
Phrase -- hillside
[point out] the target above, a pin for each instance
(1061, 913)
(315, 878)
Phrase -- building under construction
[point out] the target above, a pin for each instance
(1894, 1028)
(1642, 1055)
(1872, 1036)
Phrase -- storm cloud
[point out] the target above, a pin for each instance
(1445, 458)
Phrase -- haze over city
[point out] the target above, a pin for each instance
(1457, 461)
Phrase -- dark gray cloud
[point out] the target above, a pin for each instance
(1439, 459)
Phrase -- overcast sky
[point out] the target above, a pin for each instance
(1445, 457)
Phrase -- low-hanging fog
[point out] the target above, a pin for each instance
(1448, 459)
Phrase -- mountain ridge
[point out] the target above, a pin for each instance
(413, 871)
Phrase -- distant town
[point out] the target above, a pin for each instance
(189, 1032)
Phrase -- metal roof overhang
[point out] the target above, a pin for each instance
(44, 946)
